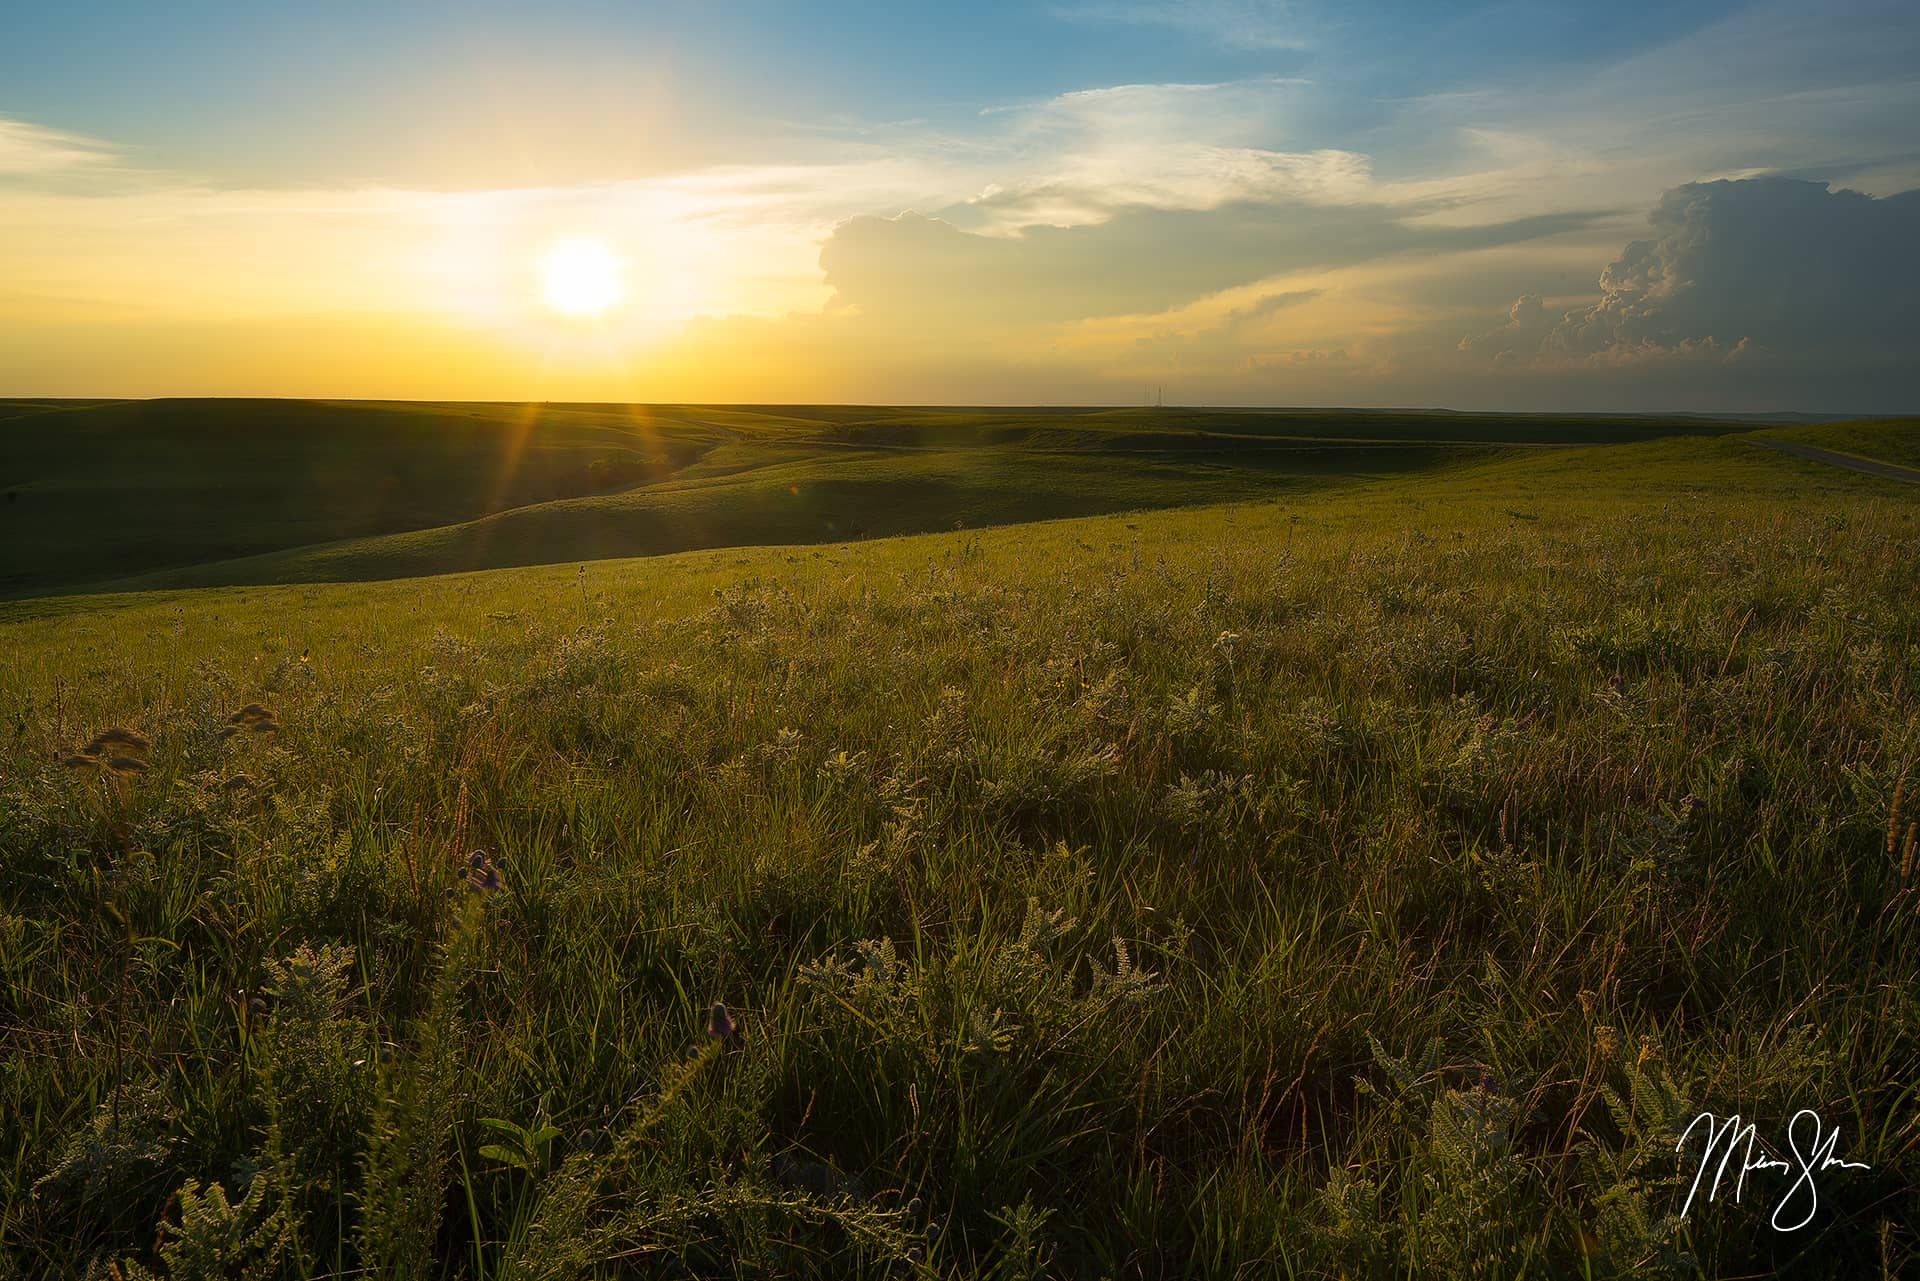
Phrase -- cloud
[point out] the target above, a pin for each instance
(1236, 340)
(1270, 303)
(1077, 156)
(29, 150)
(1774, 269)
(917, 269)
(1528, 324)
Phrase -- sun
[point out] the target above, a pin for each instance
(580, 276)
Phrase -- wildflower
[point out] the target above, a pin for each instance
(719, 1022)
(481, 872)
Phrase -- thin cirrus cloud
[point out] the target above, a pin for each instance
(1138, 259)
(1077, 156)
(31, 151)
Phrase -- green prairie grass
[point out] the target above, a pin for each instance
(189, 493)
(1358, 884)
(1894, 441)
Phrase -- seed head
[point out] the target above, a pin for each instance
(80, 762)
(719, 1022)
(127, 765)
(125, 739)
(249, 714)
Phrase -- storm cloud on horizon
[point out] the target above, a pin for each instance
(1780, 275)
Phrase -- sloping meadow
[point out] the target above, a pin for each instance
(1370, 885)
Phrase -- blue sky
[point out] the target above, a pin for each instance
(355, 91)
(1412, 168)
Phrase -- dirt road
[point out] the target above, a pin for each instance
(1870, 466)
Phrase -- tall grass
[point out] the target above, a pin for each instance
(1370, 886)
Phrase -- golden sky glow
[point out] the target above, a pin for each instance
(1242, 226)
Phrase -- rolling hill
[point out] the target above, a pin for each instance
(115, 495)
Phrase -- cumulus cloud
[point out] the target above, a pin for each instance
(1773, 269)
(1528, 324)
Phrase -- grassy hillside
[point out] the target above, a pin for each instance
(184, 492)
(1887, 440)
(855, 493)
(1365, 881)
(104, 490)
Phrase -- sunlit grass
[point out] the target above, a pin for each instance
(1360, 883)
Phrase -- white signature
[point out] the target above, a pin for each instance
(1725, 1137)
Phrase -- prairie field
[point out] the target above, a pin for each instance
(1250, 846)
(191, 493)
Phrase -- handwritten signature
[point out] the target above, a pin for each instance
(1725, 1137)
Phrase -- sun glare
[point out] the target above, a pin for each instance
(581, 277)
